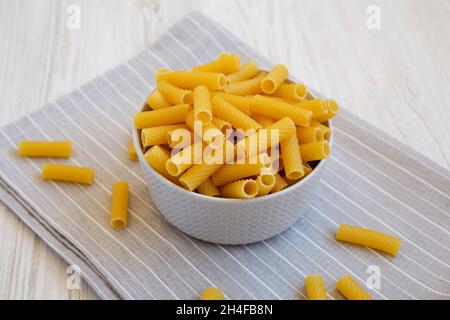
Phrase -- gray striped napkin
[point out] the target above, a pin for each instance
(371, 181)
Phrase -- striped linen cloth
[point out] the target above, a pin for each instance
(371, 181)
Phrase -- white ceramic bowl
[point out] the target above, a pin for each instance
(229, 221)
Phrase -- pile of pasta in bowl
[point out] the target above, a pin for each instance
(229, 130)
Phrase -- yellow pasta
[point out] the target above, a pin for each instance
(119, 205)
(157, 101)
(248, 71)
(167, 116)
(202, 105)
(192, 79)
(276, 109)
(238, 119)
(223, 126)
(231, 172)
(179, 138)
(368, 238)
(291, 91)
(198, 174)
(280, 183)
(242, 189)
(247, 87)
(351, 289)
(271, 82)
(333, 108)
(315, 151)
(158, 135)
(307, 168)
(47, 149)
(175, 95)
(212, 294)
(207, 188)
(157, 157)
(66, 173)
(184, 159)
(315, 287)
(292, 159)
(225, 63)
(160, 74)
(318, 107)
(325, 130)
(266, 183)
(208, 133)
(263, 120)
(132, 151)
(240, 102)
(309, 135)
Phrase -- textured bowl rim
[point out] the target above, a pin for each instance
(228, 200)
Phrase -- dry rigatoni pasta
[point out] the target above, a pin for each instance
(158, 135)
(175, 95)
(247, 71)
(167, 116)
(315, 287)
(225, 63)
(67, 173)
(276, 109)
(157, 157)
(315, 151)
(280, 183)
(208, 188)
(292, 158)
(265, 182)
(192, 79)
(248, 87)
(318, 107)
(157, 101)
(368, 238)
(309, 135)
(332, 107)
(119, 205)
(291, 91)
(132, 151)
(351, 289)
(272, 81)
(46, 149)
(202, 105)
(243, 189)
(240, 102)
(238, 119)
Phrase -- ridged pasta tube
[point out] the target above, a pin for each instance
(368, 238)
(318, 107)
(315, 151)
(238, 119)
(315, 287)
(179, 138)
(66, 173)
(225, 63)
(174, 94)
(192, 79)
(333, 108)
(248, 87)
(167, 116)
(265, 183)
(271, 82)
(263, 120)
(243, 189)
(208, 133)
(158, 135)
(274, 108)
(207, 188)
(280, 183)
(351, 289)
(157, 101)
(202, 105)
(291, 91)
(325, 130)
(247, 71)
(184, 159)
(157, 157)
(119, 205)
(47, 149)
(240, 102)
(309, 135)
(290, 151)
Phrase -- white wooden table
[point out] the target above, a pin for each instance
(396, 77)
